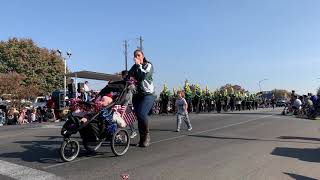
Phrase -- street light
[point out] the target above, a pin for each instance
(260, 83)
(65, 73)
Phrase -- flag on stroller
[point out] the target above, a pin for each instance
(126, 112)
(120, 109)
(129, 116)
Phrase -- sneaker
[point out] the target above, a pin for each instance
(133, 134)
(177, 130)
(189, 129)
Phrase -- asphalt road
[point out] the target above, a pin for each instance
(246, 145)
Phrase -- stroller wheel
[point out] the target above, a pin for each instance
(120, 142)
(69, 150)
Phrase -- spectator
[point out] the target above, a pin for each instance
(51, 107)
(41, 115)
(238, 104)
(308, 102)
(86, 91)
(273, 101)
(292, 97)
(232, 103)
(71, 89)
(313, 98)
(33, 115)
(296, 103)
(23, 116)
(2, 117)
(12, 116)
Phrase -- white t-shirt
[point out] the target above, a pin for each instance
(297, 103)
(86, 88)
(180, 103)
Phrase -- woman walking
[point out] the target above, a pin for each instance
(144, 97)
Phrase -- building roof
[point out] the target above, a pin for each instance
(95, 76)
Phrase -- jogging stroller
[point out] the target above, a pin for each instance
(101, 126)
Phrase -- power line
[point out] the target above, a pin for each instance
(126, 54)
(126, 45)
(140, 42)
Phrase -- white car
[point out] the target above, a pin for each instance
(281, 102)
(39, 101)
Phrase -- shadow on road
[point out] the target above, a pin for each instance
(303, 154)
(57, 137)
(36, 151)
(224, 137)
(300, 138)
(43, 151)
(298, 177)
(251, 139)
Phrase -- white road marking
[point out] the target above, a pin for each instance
(48, 126)
(60, 164)
(22, 172)
(210, 130)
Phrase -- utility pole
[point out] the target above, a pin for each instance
(126, 54)
(260, 84)
(65, 73)
(140, 40)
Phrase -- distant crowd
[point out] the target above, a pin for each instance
(197, 101)
(223, 100)
(303, 105)
(27, 114)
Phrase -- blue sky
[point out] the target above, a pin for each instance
(210, 42)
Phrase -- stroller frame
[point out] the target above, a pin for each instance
(70, 147)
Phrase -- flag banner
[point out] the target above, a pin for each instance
(129, 116)
(126, 112)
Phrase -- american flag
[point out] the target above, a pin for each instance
(118, 108)
(126, 112)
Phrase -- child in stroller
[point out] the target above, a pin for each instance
(83, 110)
(102, 102)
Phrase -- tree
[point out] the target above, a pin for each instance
(231, 89)
(280, 93)
(11, 85)
(36, 67)
(187, 90)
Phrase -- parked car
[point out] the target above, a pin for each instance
(39, 101)
(281, 103)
